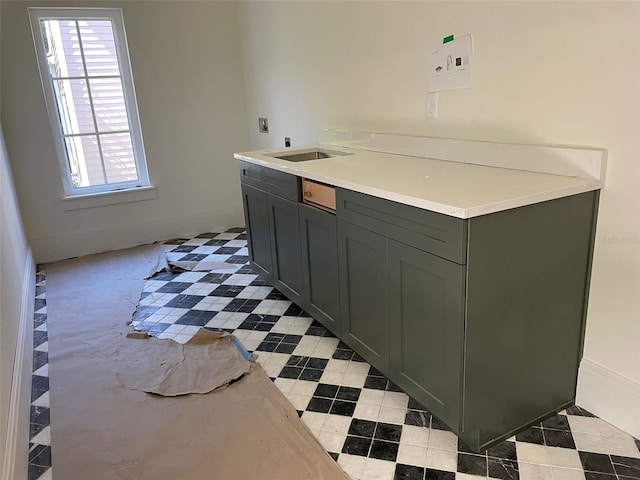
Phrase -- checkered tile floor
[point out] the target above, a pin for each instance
(366, 423)
(39, 430)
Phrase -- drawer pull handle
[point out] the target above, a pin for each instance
(308, 194)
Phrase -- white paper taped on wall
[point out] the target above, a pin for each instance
(452, 65)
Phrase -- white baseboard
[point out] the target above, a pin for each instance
(611, 396)
(17, 442)
(90, 240)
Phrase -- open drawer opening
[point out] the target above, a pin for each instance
(319, 195)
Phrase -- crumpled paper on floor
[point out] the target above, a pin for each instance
(171, 261)
(209, 360)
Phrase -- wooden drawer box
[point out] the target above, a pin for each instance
(319, 195)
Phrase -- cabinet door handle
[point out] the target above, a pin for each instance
(308, 194)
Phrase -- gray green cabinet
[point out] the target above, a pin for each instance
(256, 215)
(484, 317)
(320, 265)
(291, 245)
(527, 289)
(363, 292)
(286, 248)
(270, 202)
(403, 307)
(481, 320)
(426, 328)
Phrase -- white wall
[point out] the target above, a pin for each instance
(545, 72)
(17, 290)
(189, 85)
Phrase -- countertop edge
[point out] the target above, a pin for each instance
(450, 210)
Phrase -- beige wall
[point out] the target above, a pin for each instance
(545, 72)
(17, 290)
(16, 306)
(189, 85)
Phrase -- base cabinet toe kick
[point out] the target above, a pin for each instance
(481, 320)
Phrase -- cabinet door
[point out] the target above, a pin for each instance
(286, 249)
(426, 295)
(320, 266)
(363, 271)
(256, 216)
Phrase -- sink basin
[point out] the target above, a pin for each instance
(303, 157)
(306, 154)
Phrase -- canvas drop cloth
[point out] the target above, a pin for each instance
(101, 430)
(209, 360)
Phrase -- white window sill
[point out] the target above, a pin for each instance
(78, 202)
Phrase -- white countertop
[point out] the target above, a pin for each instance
(460, 190)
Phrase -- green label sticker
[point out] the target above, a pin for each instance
(447, 39)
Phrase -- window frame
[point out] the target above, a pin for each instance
(36, 14)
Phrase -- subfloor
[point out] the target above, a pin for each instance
(366, 423)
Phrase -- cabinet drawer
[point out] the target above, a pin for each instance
(269, 180)
(431, 232)
(319, 194)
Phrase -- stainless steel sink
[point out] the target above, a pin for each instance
(303, 157)
(306, 154)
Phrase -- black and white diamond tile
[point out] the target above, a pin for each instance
(39, 428)
(366, 423)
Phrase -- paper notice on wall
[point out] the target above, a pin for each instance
(452, 65)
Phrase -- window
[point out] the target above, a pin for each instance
(88, 87)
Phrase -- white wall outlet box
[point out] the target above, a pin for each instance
(432, 105)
